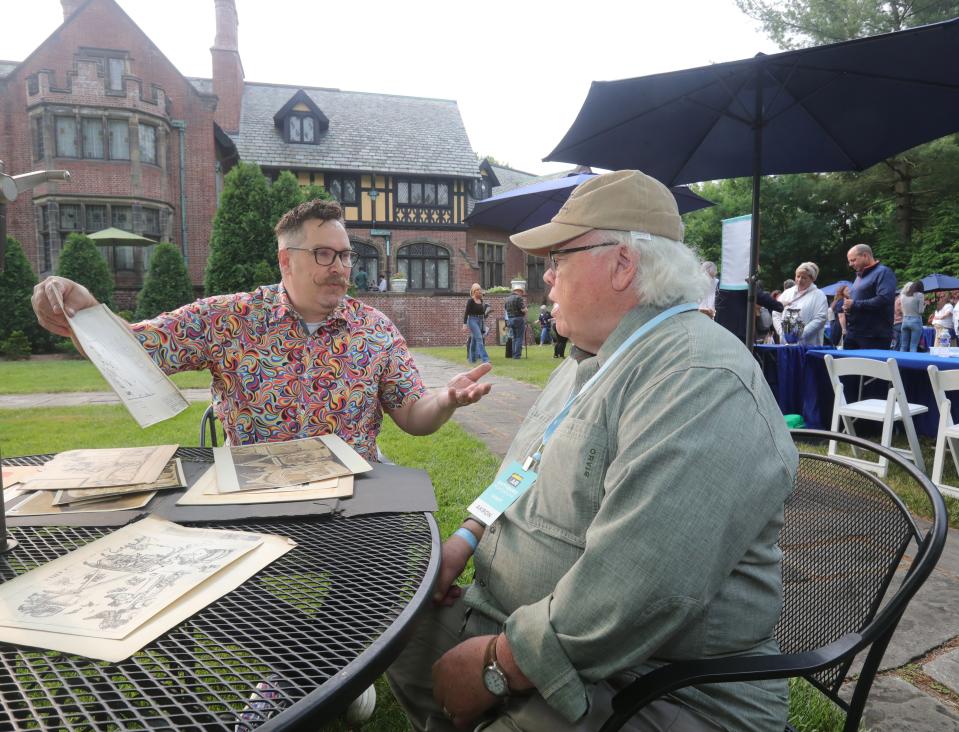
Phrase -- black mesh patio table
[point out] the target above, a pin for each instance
(289, 648)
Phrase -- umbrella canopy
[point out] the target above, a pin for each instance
(119, 236)
(934, 282)
(844, 106)
(532, 205)
(830, 290)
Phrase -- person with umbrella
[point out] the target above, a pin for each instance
(913, 302)
(871, 302)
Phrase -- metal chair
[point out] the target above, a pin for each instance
(948, 432)
(210, 424)
(894, 408)
(844, 536)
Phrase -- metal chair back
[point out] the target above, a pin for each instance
(845, 534)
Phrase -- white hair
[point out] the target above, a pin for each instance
(669, 272)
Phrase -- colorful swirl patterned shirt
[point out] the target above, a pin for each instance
(274, 381)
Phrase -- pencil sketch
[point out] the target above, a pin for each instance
(103, 467)
(107, 588)
(171, 477)
(277, 464)
(41, 503)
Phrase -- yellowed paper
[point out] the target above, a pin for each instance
(14, 474)
(171, 477)
(103, 467)
(41, 503)
(144, 389)
(204, 492)
(229, 578)
(277, 464)
(111, 586)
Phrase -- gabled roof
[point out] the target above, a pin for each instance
(368, 132)
(510, 178)
(301, 97)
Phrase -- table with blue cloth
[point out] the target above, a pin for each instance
(784, 368)
(817, 393)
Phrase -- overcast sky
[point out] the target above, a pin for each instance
(519, 69)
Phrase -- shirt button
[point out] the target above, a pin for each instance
(481, 583)
(492, 529)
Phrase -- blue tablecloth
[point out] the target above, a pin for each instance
(817, 395)
(784, 368)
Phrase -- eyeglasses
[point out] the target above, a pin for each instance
(553, 253)
(325, 256)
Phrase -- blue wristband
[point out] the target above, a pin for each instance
(468, 536)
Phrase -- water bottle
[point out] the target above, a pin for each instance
(943, 338)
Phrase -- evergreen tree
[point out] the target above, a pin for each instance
(285, 193)
(167, 284)
(82, 262)
(16, 287)
(242, 236)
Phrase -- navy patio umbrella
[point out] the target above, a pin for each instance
(936, 281)
(535, 204)
(845, 106)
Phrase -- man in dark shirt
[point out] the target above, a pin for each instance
(516, 313)
(871, 302)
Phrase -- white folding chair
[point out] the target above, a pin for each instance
(888, 411)
(943, 381)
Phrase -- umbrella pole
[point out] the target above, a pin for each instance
(754, 223)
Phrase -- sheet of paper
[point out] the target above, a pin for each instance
(14, 474)
(171, 477)
(277, 464)
(204, 492)
(40, 503)
(144, 389)
(102, 467)
(229, 578)
(111, 586)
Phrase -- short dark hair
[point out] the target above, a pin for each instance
(318, 208)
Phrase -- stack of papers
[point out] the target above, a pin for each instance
(99, 480)
(111, 597)
(309, 469)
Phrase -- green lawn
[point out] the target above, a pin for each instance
(534, 368)
(60, 375)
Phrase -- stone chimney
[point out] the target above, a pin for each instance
(227, 67)
(70, 7)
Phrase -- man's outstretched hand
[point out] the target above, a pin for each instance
(46, 303)
(464, 389)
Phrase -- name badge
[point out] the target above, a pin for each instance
(509, 485)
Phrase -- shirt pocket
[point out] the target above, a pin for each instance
(569, 488)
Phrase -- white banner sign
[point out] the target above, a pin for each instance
(735, 269)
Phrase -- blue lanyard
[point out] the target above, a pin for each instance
(633, 338)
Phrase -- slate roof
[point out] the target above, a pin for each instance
(204, 86)
(7, 66)
(510, 178)
(381, 132)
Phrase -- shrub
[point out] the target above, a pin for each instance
(16, 347)
(82, 262)
(242, 236)
(16, 287)
(167, 284)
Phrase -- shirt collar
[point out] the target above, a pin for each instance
(281, 307)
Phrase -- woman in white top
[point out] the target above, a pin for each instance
(942, 319)
(805, 307)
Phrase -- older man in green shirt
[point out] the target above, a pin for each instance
(649, 534)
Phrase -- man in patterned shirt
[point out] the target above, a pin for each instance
(294, 359)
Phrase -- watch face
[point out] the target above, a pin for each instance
(495, 681)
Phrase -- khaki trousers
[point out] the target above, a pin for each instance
(409, 678)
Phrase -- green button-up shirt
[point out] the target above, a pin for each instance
(650, 534)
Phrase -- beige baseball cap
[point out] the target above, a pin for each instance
(624, 200)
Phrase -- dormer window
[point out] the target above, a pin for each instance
(301, 128)
(300, 120)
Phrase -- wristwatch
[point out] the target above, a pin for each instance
(494, 679)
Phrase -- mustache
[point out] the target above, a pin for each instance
(339, 281)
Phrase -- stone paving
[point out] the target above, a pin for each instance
(917, 689)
